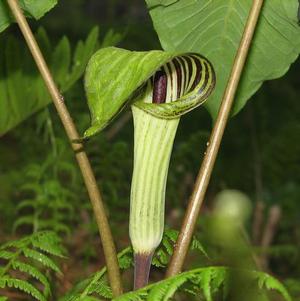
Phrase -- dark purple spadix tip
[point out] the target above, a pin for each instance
(142, 265)
(159, 87)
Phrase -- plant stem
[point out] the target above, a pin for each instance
(202, 181)
(142, 266)
(83, 162)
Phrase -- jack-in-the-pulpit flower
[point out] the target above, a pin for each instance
(160, 87)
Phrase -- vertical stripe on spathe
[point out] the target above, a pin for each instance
(177, 87)
(182, 75)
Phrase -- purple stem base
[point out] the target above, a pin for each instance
(142, 265)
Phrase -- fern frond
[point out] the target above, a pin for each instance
(125, 262)
(133, 296)
(165, 250)
(21, 285)
(160, 259)
(30, 186)
(163, 292)
(102, 289)
(23, 220)
(271, 283)
(34, 272)
(4, 254)
(50, 204)
(125, 258)
(27, 258)
(48, 242)
(43, 259)
(197, 245)
(173, 287)
(205, 283)
(169, 238)
(26, 203)
(209, 280)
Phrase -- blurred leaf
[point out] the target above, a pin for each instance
(61, 60)
(32, 8)
(214, 28)
(83, 52)
(111, 38)
(22, 90)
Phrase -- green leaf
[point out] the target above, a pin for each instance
(61, 60)
(32, 8)
(214, 28)
(22, 90)
(22, 286)
(112, 76)
(111, 38)
(83, 52)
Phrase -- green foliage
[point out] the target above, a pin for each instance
(209, 279)
(165, 250)
(32, 8)
(214, 28)
(25, 262)
(48, 205)
(22, 90)
(97, 284)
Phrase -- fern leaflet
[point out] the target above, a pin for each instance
(209, 279)
(25, 261)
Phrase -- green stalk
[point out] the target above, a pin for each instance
(153, 142)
